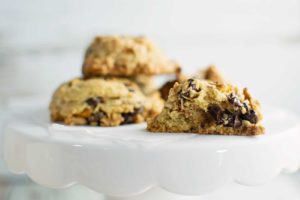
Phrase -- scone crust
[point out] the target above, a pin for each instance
(125, 56)
(210, 73)
(207, 107)
(102, 102)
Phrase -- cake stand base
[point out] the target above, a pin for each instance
(155, 194)
(128, 163)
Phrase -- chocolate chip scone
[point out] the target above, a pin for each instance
(206, 107)
(125, 56)
(102, 102)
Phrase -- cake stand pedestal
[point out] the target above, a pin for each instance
(129, 163)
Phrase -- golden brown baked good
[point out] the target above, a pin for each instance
(102, 102)
(207, 107)
(125, 56)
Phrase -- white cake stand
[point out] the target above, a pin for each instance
(127, 162)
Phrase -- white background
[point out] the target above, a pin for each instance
(255, 43)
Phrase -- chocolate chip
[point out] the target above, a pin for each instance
(216, 113)
(93, 101)
(232, 99)
(96, 117)
(193, 85)
(250, 116)
(233, 119)
(226, 117)
(165, 89)
(190, 80)
(246, 107)
(130, 117)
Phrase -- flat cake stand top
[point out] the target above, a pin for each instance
(128, 160)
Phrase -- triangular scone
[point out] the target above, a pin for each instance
(206, 107)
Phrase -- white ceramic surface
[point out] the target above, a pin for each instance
(282, 188)
(127, 160)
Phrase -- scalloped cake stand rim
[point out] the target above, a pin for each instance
(127, 160)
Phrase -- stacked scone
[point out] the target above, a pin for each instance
(116, 87)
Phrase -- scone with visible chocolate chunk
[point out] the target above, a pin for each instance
(210, 73)
(125, 56)
(206, 107)
(102, 102)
